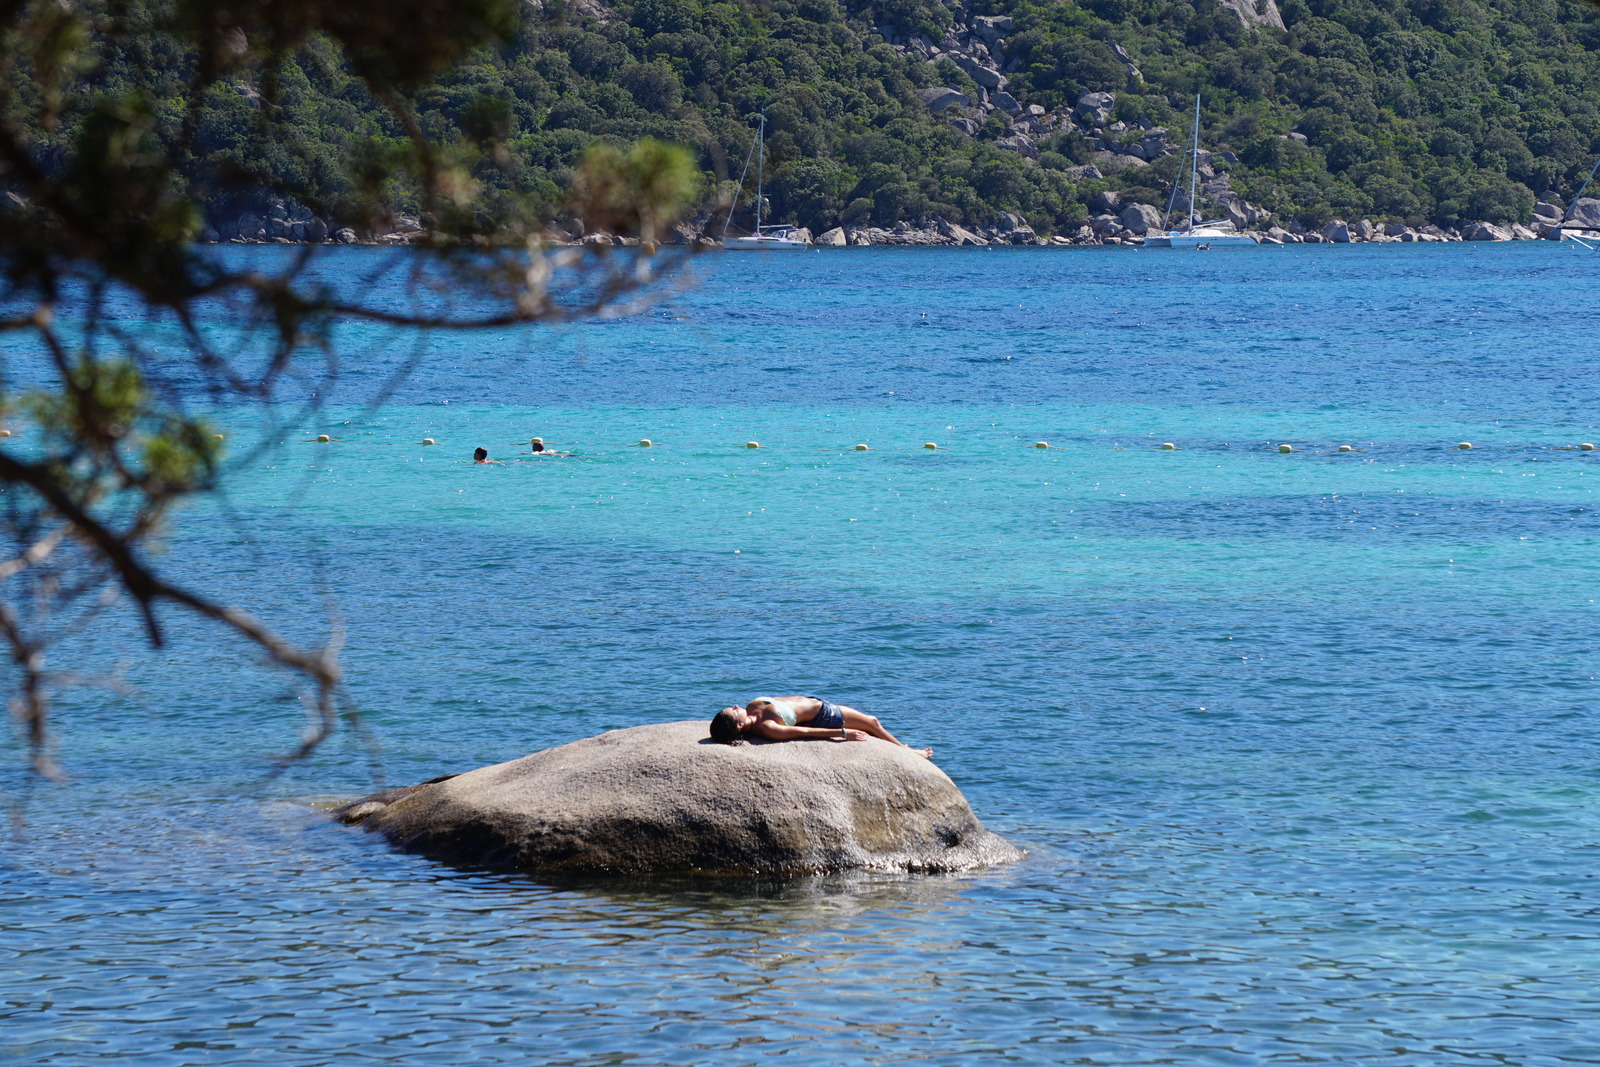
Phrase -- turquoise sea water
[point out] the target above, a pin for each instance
(1303, 745)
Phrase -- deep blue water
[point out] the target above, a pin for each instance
(1303, 745)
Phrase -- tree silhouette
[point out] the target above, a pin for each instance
(99, 176)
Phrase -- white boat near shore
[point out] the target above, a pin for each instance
(1202, 235)
(781, 239)
(778, 238)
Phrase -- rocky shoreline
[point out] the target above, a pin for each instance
(1129, 227)
(1113, 224)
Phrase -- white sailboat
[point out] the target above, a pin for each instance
(1588, 239)
(777, 238)
(1199, 234)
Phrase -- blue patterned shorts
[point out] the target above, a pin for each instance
(829, 718)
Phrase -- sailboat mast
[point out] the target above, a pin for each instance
(1194, 158)
(761, 165)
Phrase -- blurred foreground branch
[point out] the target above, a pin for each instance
(97, 217)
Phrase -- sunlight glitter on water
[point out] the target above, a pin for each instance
(1303, 745)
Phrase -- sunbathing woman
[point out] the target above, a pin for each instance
(800, 719)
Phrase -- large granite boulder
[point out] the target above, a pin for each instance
(1255, 13)
(987, 77)
(1005, 102)
(1140, 218)
(940, 97)
(1115, 162)
(957, 235)
(1151, 146)
(1096, 107)
(1019, 144)
(1484, 231)
(1584, 214)
(990, 28)
(664, 799)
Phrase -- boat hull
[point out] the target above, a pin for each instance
(1195, 240)
(764, 244)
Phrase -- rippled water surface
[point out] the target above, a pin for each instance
(1303, 745)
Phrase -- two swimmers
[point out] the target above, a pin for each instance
(537, 445)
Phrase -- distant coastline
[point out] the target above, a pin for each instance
(1125, 228)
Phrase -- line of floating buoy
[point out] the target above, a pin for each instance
(1283, 448)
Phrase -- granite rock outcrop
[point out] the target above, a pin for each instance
(663, 799)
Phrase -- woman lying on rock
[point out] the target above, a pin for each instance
(800, 719)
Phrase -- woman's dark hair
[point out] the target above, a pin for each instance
(480, 453)
(724, 731)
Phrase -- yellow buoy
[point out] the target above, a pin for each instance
(537, 441)
(930, 444)
(752, 444)
(1585, 447)
(1041, 444)
(861, 448)
(214, 437)
(1345, 448)
(323, 438)
(1464, 445)
(646, 443)
(1286, 448)
(6, 433)
(429, 441)
(1168, 445)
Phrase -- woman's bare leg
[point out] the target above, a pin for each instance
(855, 720)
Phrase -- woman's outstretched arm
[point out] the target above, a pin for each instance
(777, 731)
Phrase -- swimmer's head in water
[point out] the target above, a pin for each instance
(480, 454)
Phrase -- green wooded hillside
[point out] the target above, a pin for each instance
(1421, 111)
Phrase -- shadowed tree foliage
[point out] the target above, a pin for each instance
(114, 119)
(1425, 111)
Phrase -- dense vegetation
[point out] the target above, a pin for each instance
(1417, 111)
